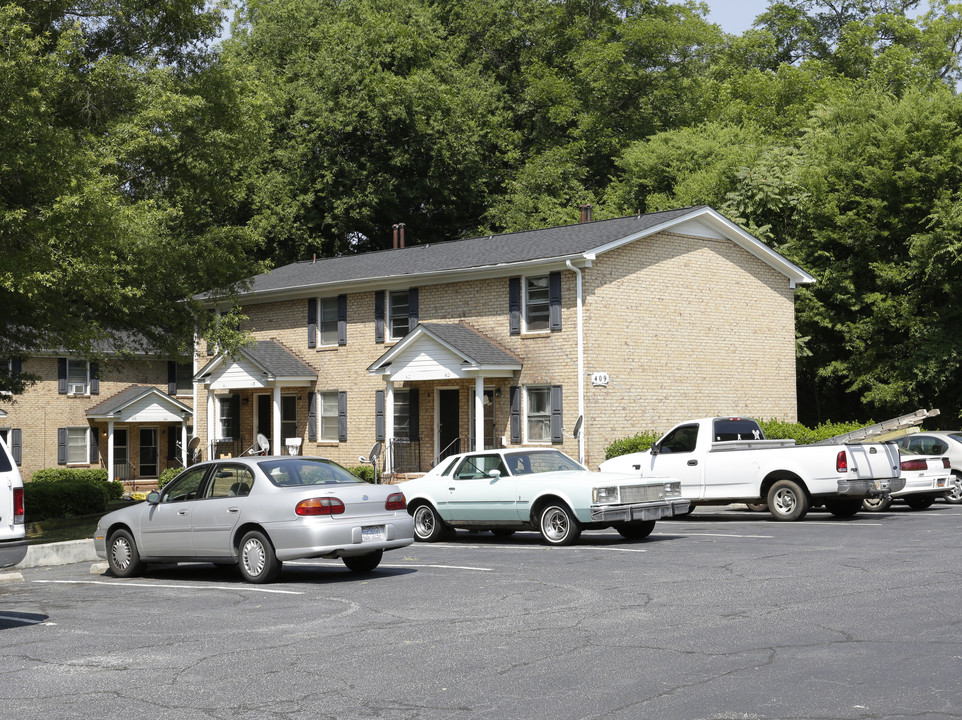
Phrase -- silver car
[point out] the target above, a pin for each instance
(257, 512)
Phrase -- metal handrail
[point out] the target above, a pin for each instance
(443, 453)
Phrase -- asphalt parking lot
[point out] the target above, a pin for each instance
(725, 614)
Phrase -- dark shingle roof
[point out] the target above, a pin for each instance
(474, 253)
(472, 344)
(277, 360)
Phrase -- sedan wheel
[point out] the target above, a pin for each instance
(123, 556)
(787, 501)
(428, 525)
(257, 562)
(877, 504)
(954, 494)
(558, 526)
(363, 563)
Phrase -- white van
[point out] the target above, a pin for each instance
(13, 535)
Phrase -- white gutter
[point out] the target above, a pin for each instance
(581, 360)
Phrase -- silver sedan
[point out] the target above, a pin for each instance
(257, 512)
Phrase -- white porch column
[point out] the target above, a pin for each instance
(111, 470)
(389, 426)
(479, 413)
(183, 441)
(278, 442)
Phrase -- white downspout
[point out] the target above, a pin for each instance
(581, 359)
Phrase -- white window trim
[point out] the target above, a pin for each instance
(86, 457)
(320, 321)
(320, 416)
(388, 314)
(524, 305)
(525, 390)
(86, 384)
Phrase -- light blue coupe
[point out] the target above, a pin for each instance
(535, 488)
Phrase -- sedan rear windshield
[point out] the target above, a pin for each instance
(306, 471)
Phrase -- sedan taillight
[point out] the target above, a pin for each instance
(18, 506)
(395, 501)
(320, 506)
(841, 462)
(915, 465)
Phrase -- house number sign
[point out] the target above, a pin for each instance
(600, 378)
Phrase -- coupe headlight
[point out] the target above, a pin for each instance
(672, 489)
(605, 494)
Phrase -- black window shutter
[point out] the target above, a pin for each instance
(94, 447)
(514, 305)
(557, 434)
(379, 316)
(171, 377)
(94, 378)
(412, 309)
(414, 407)
(515, 396)
(16, 445)
(379, 432)
(61, 446)
(235, 417)
(62, 376)
(312, 417)
(342, 416)
(554, 301)
(342, 319)
(311, 322)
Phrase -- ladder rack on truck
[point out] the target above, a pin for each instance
(885, 430)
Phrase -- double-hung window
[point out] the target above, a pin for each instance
(399, 321)
(402, 414)
(77, 452)
(328, 417)
(184, 382)
(536, 303)
(327, 308)
(226, 409)
(538, 413)
(78, 377)
(288, 417)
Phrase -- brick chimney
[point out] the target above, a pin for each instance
(585, 213)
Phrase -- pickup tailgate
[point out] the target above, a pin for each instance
(873, 460)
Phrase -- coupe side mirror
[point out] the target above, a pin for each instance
(494, 473)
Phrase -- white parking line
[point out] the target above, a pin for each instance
(337, 563)
(729, 535)
(184, 586)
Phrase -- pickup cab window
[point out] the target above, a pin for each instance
(727, 429)
(680, 440)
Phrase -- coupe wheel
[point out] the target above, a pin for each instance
(877, 504)
(954, 493)
(428, 525)
(363, 563)
(638, 530)
(558, 525)
(919, 502)
(257, 561)
(123, 556)
(787, 501)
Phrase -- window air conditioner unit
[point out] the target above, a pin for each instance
(76, 389)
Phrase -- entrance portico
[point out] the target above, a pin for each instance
(435, 353)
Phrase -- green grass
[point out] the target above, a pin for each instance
(81, 527)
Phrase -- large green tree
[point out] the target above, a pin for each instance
(121, 186)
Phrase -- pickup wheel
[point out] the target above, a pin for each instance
(844, 508)
(954, 493)
(758, 506)
(558, 525)
(877, 504)
(787, 501)
(919, 502)
(638, 530)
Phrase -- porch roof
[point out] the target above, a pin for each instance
(442, 351)
(140, 403)
(259, 365)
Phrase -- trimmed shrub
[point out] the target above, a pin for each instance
(636, 443)
(364, 472)
(95, 476)
(47, 500)
(167, 475)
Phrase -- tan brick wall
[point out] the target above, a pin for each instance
(41, 410)
(685, 327)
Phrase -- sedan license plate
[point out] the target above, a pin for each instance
(373, 532)
(940, 482)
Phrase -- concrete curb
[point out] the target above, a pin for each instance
(61, 553)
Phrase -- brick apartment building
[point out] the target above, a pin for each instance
(633, 324)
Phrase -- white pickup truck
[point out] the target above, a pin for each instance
(13, 540)
(727, 459)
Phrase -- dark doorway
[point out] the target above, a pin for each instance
(449, 423)
(263, 421)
